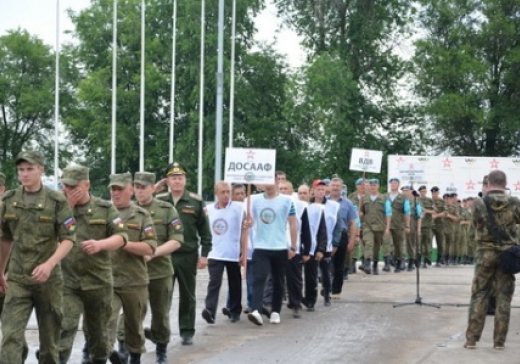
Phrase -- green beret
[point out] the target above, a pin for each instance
(175, 168)
(30, 156)
(121, 179)
(144, 178)
(73, 174)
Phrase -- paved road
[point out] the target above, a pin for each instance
(360, 327)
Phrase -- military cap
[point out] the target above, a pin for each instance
(373, 181)
(434, 189)
(394, 179)
(359, 181)
(318, 182)
(2, 179)
(406, 187)
(30, 156)
(73, 174)
(121, 179)
(422, 188)
(175, 168)
(144, 178)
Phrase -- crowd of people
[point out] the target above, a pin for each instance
(68, 253)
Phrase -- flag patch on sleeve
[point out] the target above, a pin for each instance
(118, 222)
(148, 231)
(70, 224)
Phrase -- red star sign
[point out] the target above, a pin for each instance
(517, 186)
(400, 160)
(250, 154)
(470, 185)
(494, 163)
(446, 163)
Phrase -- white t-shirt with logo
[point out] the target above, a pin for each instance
(226, 226)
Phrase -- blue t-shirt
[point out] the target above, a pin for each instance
(270, 219)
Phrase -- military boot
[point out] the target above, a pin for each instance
(375, 269)
(444, 259)
(386, 268)
(352, 267)
(410, 265)
(160, 352)
(397, 266)
(123, 353)
(366, 267)
(362, 265)
(135, 358)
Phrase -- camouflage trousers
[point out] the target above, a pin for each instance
(426, 242)
(372, 241)
(20, 301)
(398, 241)
(96, 305)
(488, 275)
(133, 301)
(449, 243)
(439, 240)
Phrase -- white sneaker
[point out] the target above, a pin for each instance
(275, 318)
(256, 318)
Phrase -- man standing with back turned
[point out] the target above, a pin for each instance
(495, 234)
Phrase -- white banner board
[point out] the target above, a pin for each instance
(366, 160)
(255, 166)
(462, 175)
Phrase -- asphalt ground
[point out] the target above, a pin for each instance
(362, 326)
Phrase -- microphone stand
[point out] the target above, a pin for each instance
(418, 298)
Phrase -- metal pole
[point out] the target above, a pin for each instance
(201, 93)
(172, 100)
(141, 118)
(232, 75)
(114, 88)
(57, 96)
(220, 92)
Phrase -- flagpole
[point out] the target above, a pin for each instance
(141, 119)
(201, 93)
(232, 76)
(172, 100)
(220, 92)
(57, 96)
(114, 88)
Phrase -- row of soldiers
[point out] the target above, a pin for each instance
(72, 254)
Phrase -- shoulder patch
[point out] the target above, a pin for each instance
(56, 195)
(8, 194)
(164, 204)
(195, 196)
(140, 210)
(102, 203)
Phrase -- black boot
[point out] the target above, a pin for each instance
(424, 265)
(123, 353)
(391, 260)
(135, 358)
(345, 273)
(444, 259)
(375, 268)
(386, 268)
(362, 266)
(352, 267)
(397, 266)
(366, 267)
(160, 351)
(410, 265)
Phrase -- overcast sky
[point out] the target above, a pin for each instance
(38, 17)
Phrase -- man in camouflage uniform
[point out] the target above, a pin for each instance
(438, 225)
(87, 269)
(506, 212)
(193, 214)
(471, 233)
(129, 269)
(37, 231)
(168, 228)
(400, 222)
(415, 227)
(426, 226)
(377, 217)
(465, 221)
(451, 220)
(356, 198)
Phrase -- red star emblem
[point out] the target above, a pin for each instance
(517, 186)
(367, 154)
(250, 154)
(494, 163)
(400, 160)
(470, 185)
(446, 163)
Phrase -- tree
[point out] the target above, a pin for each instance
(27, 89)
(466, 67)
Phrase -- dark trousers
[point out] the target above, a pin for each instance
(338, 261)
(295, 281)
(216, 270)
(324, 266)
(311, 280)
(185, 272)
(267, 262)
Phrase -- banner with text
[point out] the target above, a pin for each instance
(366, 160)
(250, 165)
(462, 175)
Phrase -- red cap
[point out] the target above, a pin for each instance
(318, 182)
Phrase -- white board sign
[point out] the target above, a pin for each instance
(462, 175)
(366, 160)
(245, 165)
